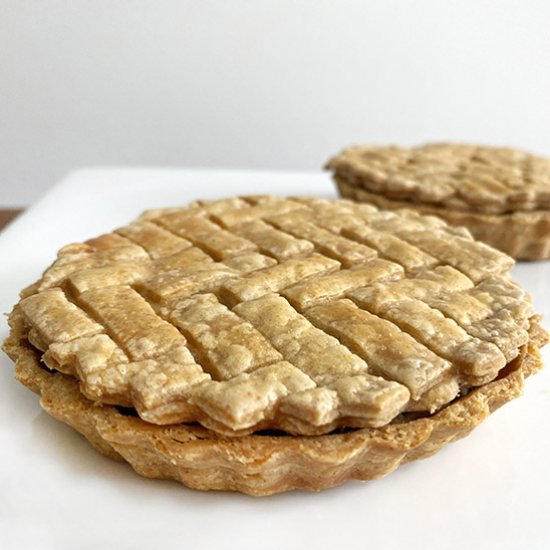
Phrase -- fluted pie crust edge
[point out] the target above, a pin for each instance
(265, 464)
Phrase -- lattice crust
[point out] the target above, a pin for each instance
(459, 177)
(265, 313)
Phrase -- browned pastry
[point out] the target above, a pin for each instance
(502, 195)
(264, 464)
(363, 337)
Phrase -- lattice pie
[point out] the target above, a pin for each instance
(502, 195)
(262, 344)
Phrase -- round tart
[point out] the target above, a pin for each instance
(502, 195)
(263, 344)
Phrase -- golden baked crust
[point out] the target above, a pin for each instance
(502, 195)
(493, 180)
(264, 464)
(258, 313)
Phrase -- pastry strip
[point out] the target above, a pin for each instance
(225, 344)
(273, 279)
(390, 352)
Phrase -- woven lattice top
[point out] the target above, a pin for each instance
(261, 312)
(461, 177)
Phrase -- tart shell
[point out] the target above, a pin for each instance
(264, 464)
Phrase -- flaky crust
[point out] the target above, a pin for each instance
(264, 464)
(524, 235)
(264, 313)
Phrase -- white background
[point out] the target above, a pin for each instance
(255, 83)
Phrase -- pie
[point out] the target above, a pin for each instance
(502, 195)
(262, 344)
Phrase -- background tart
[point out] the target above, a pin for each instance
(502, 195)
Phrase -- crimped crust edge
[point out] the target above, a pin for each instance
(265, 464)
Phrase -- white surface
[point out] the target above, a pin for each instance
(488, 491)
(280, 84)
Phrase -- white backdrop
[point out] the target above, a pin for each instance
(256, 83)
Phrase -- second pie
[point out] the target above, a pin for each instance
(501, 194)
